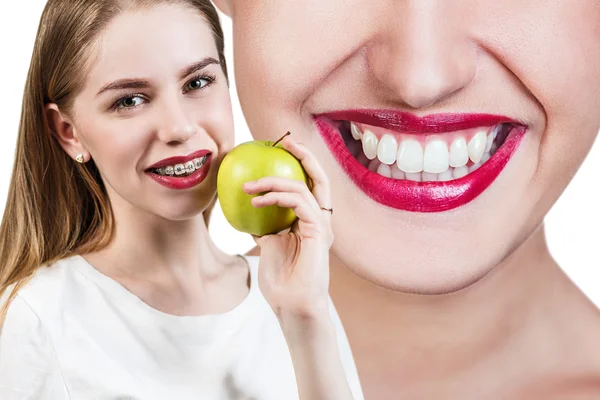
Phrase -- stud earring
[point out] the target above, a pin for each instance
(80, 159)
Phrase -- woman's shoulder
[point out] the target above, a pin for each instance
(44, 292)
(21, 320)
(29, 366)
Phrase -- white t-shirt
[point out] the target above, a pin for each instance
(74, 333)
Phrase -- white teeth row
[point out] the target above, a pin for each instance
(436, 158)
(182, 169)
(392, 171)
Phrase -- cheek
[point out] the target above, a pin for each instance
(116, 145)
(571, 98)
(556, 55)
(287, 49)
(217, 119)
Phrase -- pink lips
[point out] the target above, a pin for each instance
(419, 196)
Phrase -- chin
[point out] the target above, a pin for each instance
(424, 272)
(179, 215)
(429, 280)
(444, 282)
(182, 210)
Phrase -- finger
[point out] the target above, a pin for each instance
(320, 189)
(301, 208)
(275, 184)
(278, 184)
(257, 240)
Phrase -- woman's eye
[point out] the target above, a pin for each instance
(130, 102)
(195, 84)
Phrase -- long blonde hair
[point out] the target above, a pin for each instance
(57, 207)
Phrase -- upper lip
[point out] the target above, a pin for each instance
(410, 123)
(180, 159)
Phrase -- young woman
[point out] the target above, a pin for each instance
(447, 129)
(111, 286)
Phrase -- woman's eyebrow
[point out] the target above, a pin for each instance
(198, 66)
(137, 83)
(130, 83)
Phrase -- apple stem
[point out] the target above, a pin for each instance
(281, 138)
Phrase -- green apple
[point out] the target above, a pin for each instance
(251, 161)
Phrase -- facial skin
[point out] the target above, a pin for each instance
(536, 62)
(177, 111)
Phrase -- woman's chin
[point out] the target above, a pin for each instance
(181, 211)
(425, 274)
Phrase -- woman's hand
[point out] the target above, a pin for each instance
(294, 277)
(294, 266)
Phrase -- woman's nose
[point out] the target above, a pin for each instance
(423, 52)
(175, 123)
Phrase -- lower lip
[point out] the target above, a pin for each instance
(187, 182)
(413, 196)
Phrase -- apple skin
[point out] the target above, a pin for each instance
(251, 161)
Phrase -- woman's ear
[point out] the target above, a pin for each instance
(224, 6)
(64, 131)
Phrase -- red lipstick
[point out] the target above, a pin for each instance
(409, 123)
(181, 183)
(419, 196)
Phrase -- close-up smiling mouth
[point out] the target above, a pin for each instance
(421, 164)
(181, 172)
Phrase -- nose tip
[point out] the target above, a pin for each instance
(422, 61)
(178, 133)
(176, 126)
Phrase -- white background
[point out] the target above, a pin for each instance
(573, 225)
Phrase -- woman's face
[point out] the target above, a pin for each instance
(155, 91)
(494, 104)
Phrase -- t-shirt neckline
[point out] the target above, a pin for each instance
(222, 323)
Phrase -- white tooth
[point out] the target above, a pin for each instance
(477, 146)
(179, 169)
(445, 176)
(384, 170)
(435, 158)
(460, 172)
(374, 165)
(474, 167)
(387, 149)
(356, 133)
(414, 176)
(397, 173)
(485, 158)
(488, 144)
(459, 153)
(369, 143)
(410, 156)
(429, 177)
(170, 170)
(198, 162)
(189, 167)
